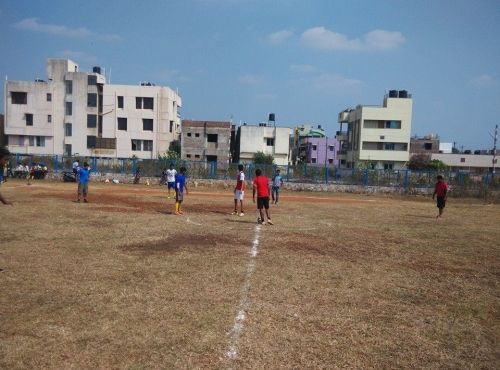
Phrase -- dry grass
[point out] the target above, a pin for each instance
(339, 281)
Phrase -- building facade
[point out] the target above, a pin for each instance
(424, 145)
(299, 146)
(320, 151)
(263, 138)
(208, 141)
(475, 163)
(78, 113)
(376, 137)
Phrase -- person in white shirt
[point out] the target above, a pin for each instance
(171, 178)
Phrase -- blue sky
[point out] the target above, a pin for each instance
(304, 60)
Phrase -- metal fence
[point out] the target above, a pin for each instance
(460, 181)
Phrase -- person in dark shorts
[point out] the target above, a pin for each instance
(180, 186)
(83, 182)
(261, 187)
(441, 191)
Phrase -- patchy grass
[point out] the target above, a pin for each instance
(339, 281)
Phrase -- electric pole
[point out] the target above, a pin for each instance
(494, 149)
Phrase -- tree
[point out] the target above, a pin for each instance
(436, 165)
(261, 158)
(418, 162)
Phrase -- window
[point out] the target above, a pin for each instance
(147, 145)
(171, 128)
(91, 140)
(388, 166)
(462, 160)
(331, 148)
(31, 140)
(330, 160)
(148, 103)
(393, 124)
(105, 143)
(270, 141)
(122, 124)
(49, 97)
(40, 140)
(189, 134)
(68, 129)
(136, 145)
(188, 155)
(197, 135)
(18, 97)
(313, 160)
(120, 102)
(29, 119)
(67, 149)
(197, 156)
(382, 137)
(314, 147)
(68, 108)
(49, 118)
(147, 124)
(212, 138)
(389, 146)
(144, 103)
(92, 80)
(428, 146)
(92, 100)
(91, 120)
(69, 87)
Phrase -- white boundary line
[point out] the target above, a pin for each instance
(235, 332)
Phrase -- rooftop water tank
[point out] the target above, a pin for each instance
(96, 70)
(403, 94)
(393, 93)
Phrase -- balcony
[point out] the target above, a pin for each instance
(341, 135)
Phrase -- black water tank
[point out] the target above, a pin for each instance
(271, 117)
(403, 94)
(393, 93)
(96, 70)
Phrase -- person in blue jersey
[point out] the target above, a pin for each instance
(4, 157)
(83, 182)
(180, 186)
(277, 184)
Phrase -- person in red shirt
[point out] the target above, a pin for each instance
(441, 191)
(262, 188)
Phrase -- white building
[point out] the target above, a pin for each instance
(377, 136)
(266, 139)
(468, 162)
(76, 112)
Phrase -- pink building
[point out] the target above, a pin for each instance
(317, 150)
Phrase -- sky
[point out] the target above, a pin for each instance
(304, 60)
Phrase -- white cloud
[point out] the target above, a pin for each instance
(251, 79)
(279, 37)
(78, 56)
(302, 68)
(335, 82)
(323, 39)
(484, 80)
(32, 24)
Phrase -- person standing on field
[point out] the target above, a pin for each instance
(171, 173)
(180, 186)
(277, 184)
(4, 157)
(83, 182)
(441, 191)
(239, 191)
(261, 188)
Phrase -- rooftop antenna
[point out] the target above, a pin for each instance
(494, 160)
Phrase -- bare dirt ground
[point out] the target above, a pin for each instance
(340, 281)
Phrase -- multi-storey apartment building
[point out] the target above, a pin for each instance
(208, 141)
(78, 113)
(320, 150)
(424, 145)
(263, 138)
(378, 137)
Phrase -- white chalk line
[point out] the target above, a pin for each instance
(235, 332)
(194, 223)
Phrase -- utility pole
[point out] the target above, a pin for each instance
(494, 149)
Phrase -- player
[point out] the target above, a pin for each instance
(261, 187)
(277, 183)
(239, 191)
(83, 182)
(4, 157)
(180, 186)
(170, 174)
(441, 190)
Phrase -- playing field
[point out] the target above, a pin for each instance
(340, 281)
